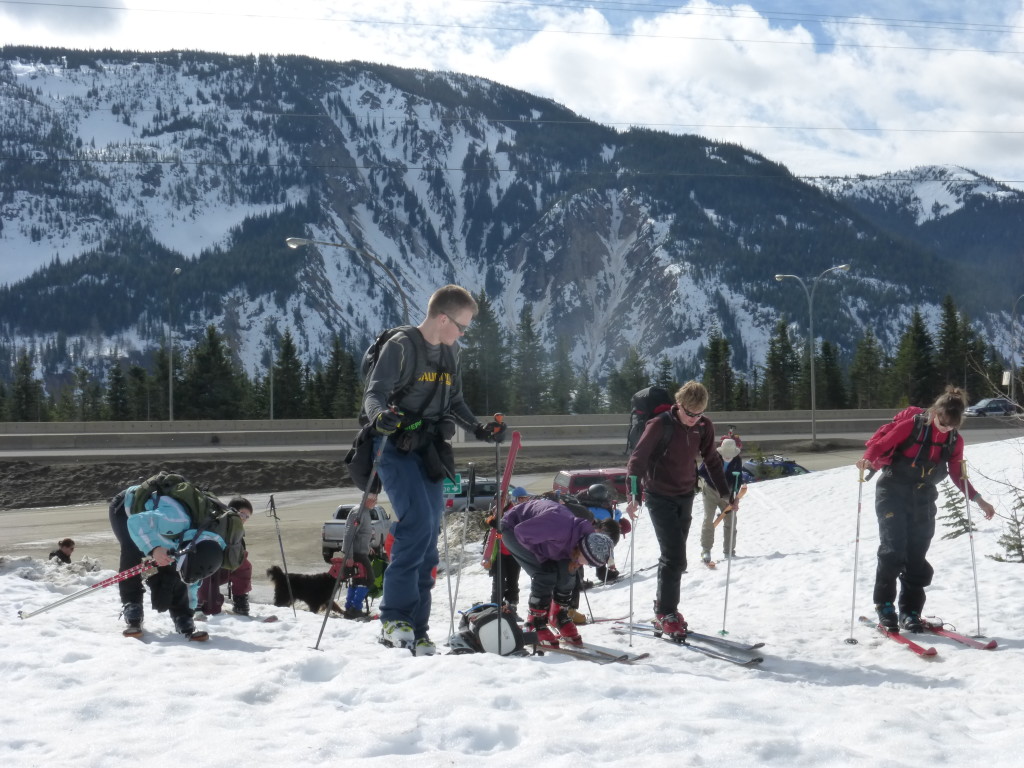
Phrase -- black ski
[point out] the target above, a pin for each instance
(593, 653)
(714, 653)
(733, 645)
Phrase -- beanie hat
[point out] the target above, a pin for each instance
(596, 548)
(518, 492)
(202, 560)
(728, 449)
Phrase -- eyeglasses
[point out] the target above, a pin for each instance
(693, 415)
(462, 328)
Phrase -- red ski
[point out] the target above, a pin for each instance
(939, 629)
(510, 465)
(920, 650)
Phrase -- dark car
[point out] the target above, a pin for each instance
(991, 406)
(770, 467)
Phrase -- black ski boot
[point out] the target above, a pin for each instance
(911, 621)
(241, 604)
(887, 617)
(186, 626)
(133, 615)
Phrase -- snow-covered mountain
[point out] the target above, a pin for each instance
(120, 167)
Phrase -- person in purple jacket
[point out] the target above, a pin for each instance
(551, 543)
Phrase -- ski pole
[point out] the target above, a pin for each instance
(970, 534)
(499, 508)
(732, 551)
(635, 493)
(856, 556)
(272, 512)
(341, 570)
(140, 570)
(462, 542)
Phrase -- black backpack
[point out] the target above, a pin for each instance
(481, 627)
(645, 405)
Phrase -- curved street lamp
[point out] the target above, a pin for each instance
(170, 348)
(298, 242)
(1013, 351)
(810, 338)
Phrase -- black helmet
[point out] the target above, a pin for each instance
(204, 559)
(599, 492)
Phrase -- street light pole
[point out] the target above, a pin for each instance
(170, 348)
(1013, 351)
(298, 242)
(810, 331)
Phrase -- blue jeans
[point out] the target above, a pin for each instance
(418, 505)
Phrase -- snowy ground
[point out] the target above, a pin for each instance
(258, 694)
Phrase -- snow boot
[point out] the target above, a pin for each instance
(424, 647)
(240, 604)
(911, 621)
(887, 617)
(355, 599)
(186, 626)
(671, 624)
(398, 634)
(538, 624)
(133, 615)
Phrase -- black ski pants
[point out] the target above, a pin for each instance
(906, 525)
(670, 516)
(548, 578)
(130, 590)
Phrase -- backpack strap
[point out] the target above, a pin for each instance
(922, 428)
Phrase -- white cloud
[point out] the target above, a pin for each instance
(771, 81)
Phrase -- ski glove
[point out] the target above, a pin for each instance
(388, 421)
(494, 432)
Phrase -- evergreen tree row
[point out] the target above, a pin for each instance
(515, 373)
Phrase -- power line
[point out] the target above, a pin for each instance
(533, 30)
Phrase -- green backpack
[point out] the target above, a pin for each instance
(208, 513)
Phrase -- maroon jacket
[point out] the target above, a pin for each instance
(674, 473)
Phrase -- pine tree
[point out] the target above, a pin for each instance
(914, 369)
(485, 362)
(719, 378)
(867, 374)
(664, 376)
(631, 378)
(559, 394)
(209, 389)
(782, 365)
(951, 351)
(288, 392)
(25, 403)
(528, 370)
(587, 398)
(116, 396)
(831, 391)
(956, 512)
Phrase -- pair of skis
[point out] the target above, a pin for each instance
(935, 629)
(713, 646)
(585, 652)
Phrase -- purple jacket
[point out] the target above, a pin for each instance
(547, 529)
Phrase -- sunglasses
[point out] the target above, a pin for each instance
(462, 328)
(693, 415)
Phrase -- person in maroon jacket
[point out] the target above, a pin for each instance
(664, 462)
(551, 543)
(915, 452)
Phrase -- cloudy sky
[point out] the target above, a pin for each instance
(827, 88)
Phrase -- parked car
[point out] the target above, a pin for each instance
(483, 495)
(991, 406)
(770, 467)
(334, 529)
(575, 480)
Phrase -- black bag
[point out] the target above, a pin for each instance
(645, 405)
(480, 628)
(359, 460)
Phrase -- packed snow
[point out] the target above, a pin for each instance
(259, 694)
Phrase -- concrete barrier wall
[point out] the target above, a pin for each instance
(34, 436)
